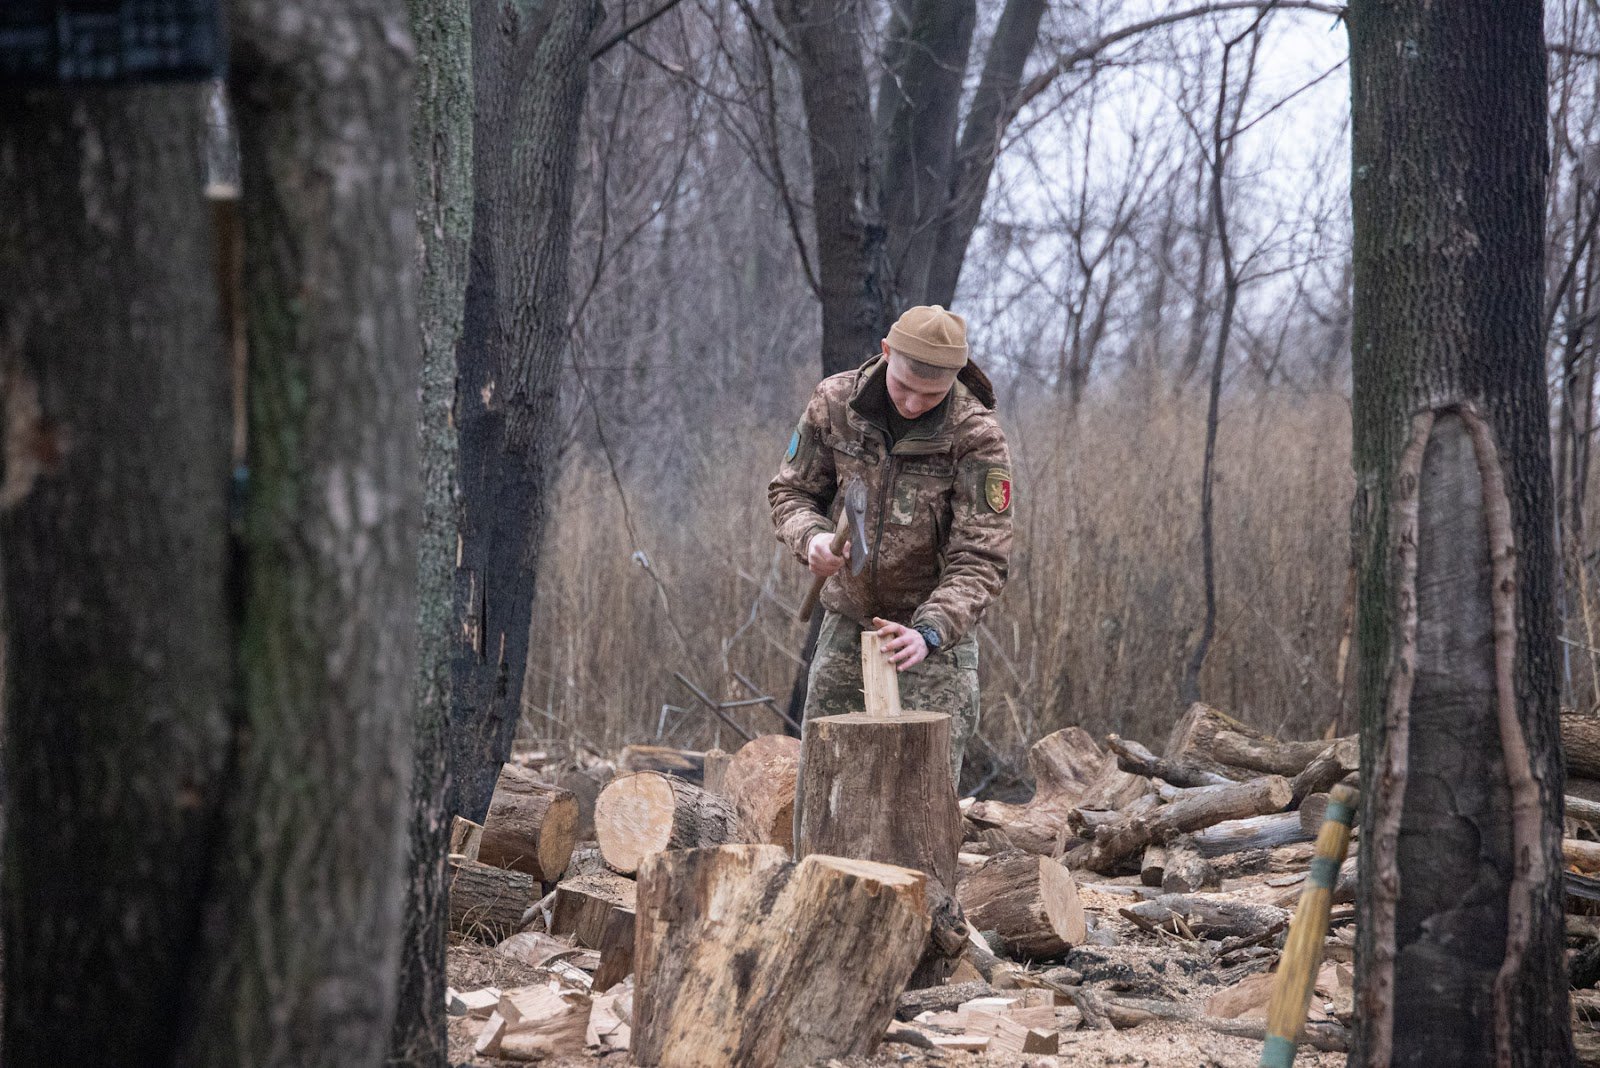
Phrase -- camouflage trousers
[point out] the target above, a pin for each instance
(945, 682)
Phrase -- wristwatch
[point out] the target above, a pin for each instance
(929, 635)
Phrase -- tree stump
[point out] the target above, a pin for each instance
(744, 959)
(648, 812)
(531, 826)
(760, 781)
(1030, 901)
(879, 788)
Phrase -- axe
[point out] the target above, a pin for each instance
(852, 527)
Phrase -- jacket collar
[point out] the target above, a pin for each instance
(864, 416)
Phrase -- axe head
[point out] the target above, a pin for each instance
(855, 507)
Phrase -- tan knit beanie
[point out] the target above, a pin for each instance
(931, 334)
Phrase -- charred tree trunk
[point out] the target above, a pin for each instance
(1460, 953)
(114, 532)
(441, 149)
(530, 69)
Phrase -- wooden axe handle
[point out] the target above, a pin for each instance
(840, 536)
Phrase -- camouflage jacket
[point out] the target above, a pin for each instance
(938, 503)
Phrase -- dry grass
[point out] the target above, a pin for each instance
(1104, 600)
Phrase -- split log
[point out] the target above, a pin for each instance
(541, 1022)
(684, 763)
(744, 958)
(531, 826)
(1201, 807)
(616, 949)
(879, 788)
(1271, 831)
(487, 903)
(477, 1004)
(611, 1020)
(1214, 915)
(1187, 871)
(583, 906)
(1070, 771)
(465, 838)
(1329, 768)
(880, 681)
(716, 770)
(1218, 742)
(647, 812)
(1153, 868)
(1580, 745)
(760, 781)
(1030, 901)
(1137, 760)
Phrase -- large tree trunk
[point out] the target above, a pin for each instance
(1460, 953)
(852, 262)
(530, 65)
(328, 625)
(116, 566)
(441, 149)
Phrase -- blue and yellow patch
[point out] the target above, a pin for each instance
(794, 446)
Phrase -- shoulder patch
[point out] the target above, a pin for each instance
(997, 489)
(794, 446)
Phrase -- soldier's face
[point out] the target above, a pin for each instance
(912, 394)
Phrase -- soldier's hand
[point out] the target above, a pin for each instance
(821, 558)
(903, 645)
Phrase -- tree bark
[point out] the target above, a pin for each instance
(986, 122)
(744, 959)
(1460, 951)
(852, 260)
(328, 626)
(441, 152)
(117, 571)
(530, 66)
(761, 782)
(879, 788)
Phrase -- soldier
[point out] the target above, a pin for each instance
(916, 423)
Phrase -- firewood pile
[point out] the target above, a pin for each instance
(665, 921)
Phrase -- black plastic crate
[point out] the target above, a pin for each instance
(44, 42)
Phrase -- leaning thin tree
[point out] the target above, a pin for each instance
(1460, 954)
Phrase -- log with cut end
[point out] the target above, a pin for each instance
(687, 764)
(648, 812)
(1210, 739)
(1153, 867)
(465, 838)
(1187, 871)
(879, 788)
(1030, 901)
(1342, 757)
(583, 905)
(487, 903)
(531, 826)
(743, 958)
(880, 682)
(760, 781)
(1070, 771)
(1201, 807)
